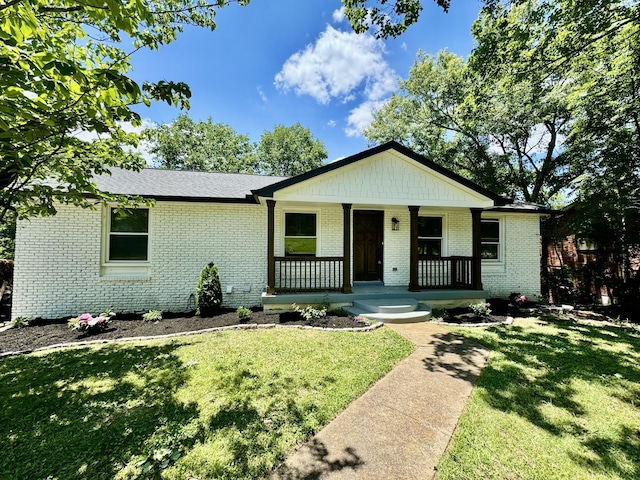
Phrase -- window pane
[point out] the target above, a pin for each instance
(430, 226)
(128, 247)
(430, 247)
(300, 246)
(133, 221)
(489, 251)
(300, 224)
(490, 230)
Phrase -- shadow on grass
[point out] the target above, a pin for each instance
(83, 413)
(540, 368)
(255, 414)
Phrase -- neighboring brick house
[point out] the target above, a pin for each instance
(385, 216)
(581, 270)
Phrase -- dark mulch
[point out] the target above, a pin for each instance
(43, 333)
(500, 311)
(470, 317)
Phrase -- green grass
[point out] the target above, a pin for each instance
(557, 400)
(229, 405)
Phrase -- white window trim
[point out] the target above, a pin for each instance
(499, 264)
(283, 223)
(123, 269)
(445, 229)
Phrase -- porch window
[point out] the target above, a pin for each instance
(128, 235)
(300, 234)
(490, 239)
(430, 236)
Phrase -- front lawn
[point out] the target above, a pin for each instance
(557, 400)
(221, 405)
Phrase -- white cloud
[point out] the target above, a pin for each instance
(338, 15)
(331, 123)
(334, 66)
(360, 117)
(403, 46)
(261, 93)
(344, 66)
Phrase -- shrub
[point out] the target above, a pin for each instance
(439, 315)
(310, 312)
(208, 291)
(480, 308)
(243, 313)
(152, 316)
(20, 322)
(90, 324)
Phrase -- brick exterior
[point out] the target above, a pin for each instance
(58, 268)
(520, 270)
(58, 260)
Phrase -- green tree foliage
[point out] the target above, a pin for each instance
(65, 67)
(289, 151)
(8, 236)
(503, 132)
(594, 47)
(208, 291)
(205, 146)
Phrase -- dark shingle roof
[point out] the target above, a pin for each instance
(183, 185)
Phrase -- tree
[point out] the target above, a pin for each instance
(65, 77)
(289, 151)
(206, 146)
(502, 131)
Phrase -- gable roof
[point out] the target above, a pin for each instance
(193, 186)
(269, 190)
(184, 185)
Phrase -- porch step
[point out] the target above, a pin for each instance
(391, 310)
(388, 305)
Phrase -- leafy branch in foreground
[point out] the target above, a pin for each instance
(66, 98)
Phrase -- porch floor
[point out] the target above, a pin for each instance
(372, 291)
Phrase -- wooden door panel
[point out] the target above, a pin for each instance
(367, 245)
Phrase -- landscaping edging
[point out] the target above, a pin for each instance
(248, 326)
(508, 321)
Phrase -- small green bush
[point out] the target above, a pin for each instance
(208, 291)
(152, 316)
(480, 308)
(21, 322)
(243, 313)
(310, 312)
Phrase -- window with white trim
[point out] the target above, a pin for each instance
(128, 238)
(490, 239)
(430, 236)
(300, 234)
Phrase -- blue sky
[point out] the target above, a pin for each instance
(286, 61)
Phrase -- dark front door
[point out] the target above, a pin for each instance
(367, 245)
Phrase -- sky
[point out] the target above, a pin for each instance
(278, 62)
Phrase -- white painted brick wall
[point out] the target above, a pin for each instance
(521, 272)
(58, 259)
(57, 268)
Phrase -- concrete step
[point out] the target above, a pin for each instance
(421, 314)
(388, 305)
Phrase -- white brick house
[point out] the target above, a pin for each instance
(386, 215)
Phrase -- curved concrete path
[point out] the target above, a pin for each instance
(401, 426)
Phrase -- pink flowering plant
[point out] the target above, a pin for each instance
(521, 300)
(89, 324)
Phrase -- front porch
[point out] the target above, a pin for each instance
(372, 291)
(300, 274)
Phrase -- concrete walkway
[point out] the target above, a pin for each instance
(401, 426)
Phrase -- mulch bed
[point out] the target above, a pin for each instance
(43, 333)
